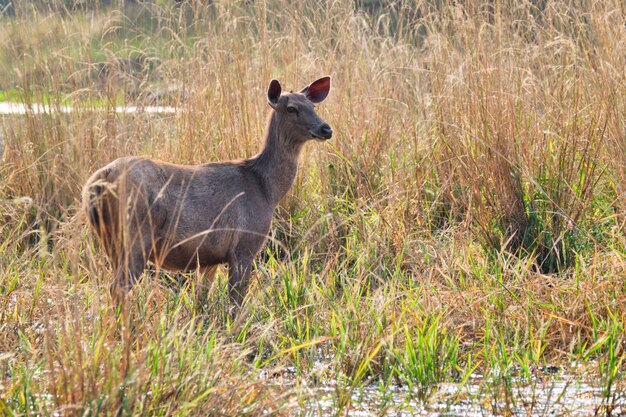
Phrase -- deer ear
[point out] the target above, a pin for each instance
(317, 90)
(273, 93)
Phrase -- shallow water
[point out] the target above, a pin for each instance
(561, 397)
(8, 108)
(548, 393)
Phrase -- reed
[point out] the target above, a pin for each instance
(466, 218)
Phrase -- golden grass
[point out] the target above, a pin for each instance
(470, 205)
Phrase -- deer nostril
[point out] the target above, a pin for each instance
(326, 131)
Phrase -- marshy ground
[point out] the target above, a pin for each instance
(458, 247)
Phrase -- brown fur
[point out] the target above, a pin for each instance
(184, 218)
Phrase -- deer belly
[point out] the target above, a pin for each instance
(192, 253)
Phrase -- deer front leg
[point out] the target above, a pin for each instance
(238, 274)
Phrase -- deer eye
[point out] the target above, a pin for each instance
(292, 109)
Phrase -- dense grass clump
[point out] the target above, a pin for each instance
(465, 225)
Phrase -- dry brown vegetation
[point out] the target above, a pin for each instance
(467, 216)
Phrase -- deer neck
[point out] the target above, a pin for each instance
(277, 163)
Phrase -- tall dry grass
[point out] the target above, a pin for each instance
(471, 204)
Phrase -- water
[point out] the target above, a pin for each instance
(14, 108)
(559, 397)
(547, 393)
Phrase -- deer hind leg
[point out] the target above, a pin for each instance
(130, 265)
(135, 244)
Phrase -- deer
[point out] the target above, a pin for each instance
(185, 218)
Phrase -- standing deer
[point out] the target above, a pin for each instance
(184, 218)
